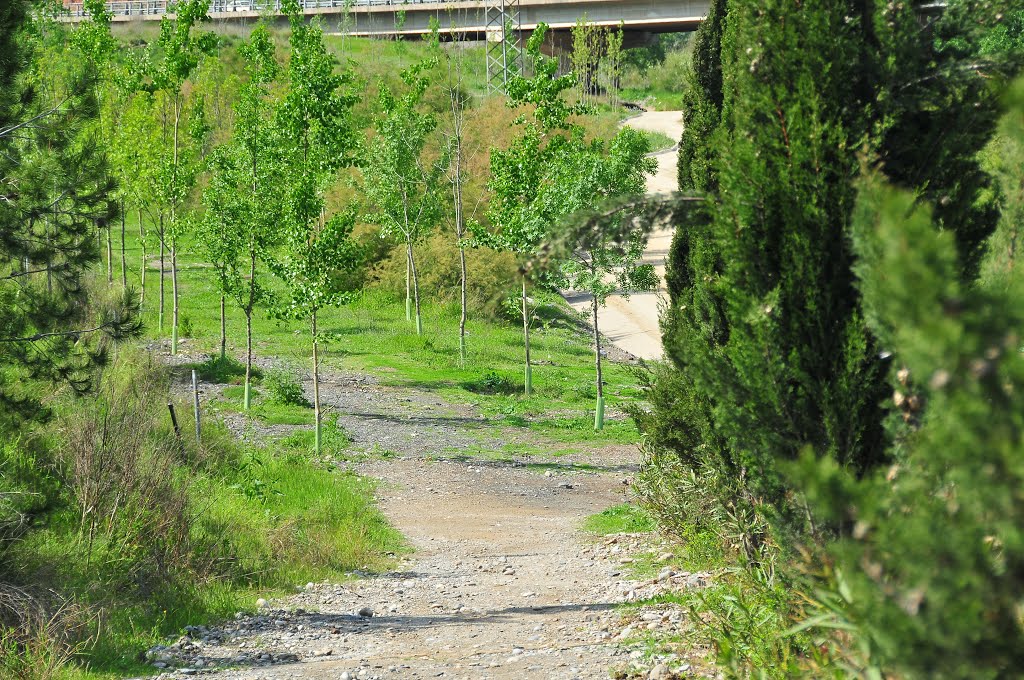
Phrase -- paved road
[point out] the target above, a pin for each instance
(632, 324)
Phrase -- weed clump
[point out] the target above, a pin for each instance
(492, 382)
(284, 388)
(223, 370)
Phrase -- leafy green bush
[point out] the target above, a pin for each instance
(227, 369)
(491, 275)
(492, 382)
(284, 388)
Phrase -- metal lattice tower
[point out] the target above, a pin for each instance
(504, 52)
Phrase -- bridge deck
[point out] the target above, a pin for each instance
(378, 17)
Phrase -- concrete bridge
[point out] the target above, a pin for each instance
(462, 19)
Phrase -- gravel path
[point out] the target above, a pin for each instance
(502, 582)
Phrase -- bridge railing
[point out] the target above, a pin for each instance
(151, 7)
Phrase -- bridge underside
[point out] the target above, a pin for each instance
(466, 19)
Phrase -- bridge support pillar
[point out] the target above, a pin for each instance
(504, 43)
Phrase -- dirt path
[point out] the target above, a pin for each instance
(633, 324)
(502, 582)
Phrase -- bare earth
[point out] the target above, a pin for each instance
(502, 583)
(632, 324)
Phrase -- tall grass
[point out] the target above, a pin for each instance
(149, 530)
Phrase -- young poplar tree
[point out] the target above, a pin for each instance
(551, 171)
(596, 260)
(455, 169)
(94, 42)
(318, 137)
(244, 207)
(400, 183)
(584, 57)
(134, 156)
(175, 58)
(611, 63)
(518, 173)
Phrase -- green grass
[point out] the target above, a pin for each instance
(618, 519)
(659, 100)
(371, 335)
(264, 409)
(659, 141)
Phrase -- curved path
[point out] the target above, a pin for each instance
(632, 324)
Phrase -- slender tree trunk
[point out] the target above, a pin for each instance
(599, 411)
(223, 328)
(416, 291)
(458, 125)
(408, 281)
(174, 295)
(316, 389)
(526, 342)
(462, 316)
(163, 247)
(124, 255)
(142, 269)
(174, 234)
(110, 255)
(249, 306)
(460, 229)
(248, 359)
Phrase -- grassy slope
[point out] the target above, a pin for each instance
(258, 522)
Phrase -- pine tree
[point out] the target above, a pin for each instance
(54, 188)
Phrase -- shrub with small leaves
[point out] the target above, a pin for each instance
(284, 388)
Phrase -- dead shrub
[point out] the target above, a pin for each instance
(39, 636)
(125, 475)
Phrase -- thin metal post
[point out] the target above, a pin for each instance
(195, 403)
(174, 420)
